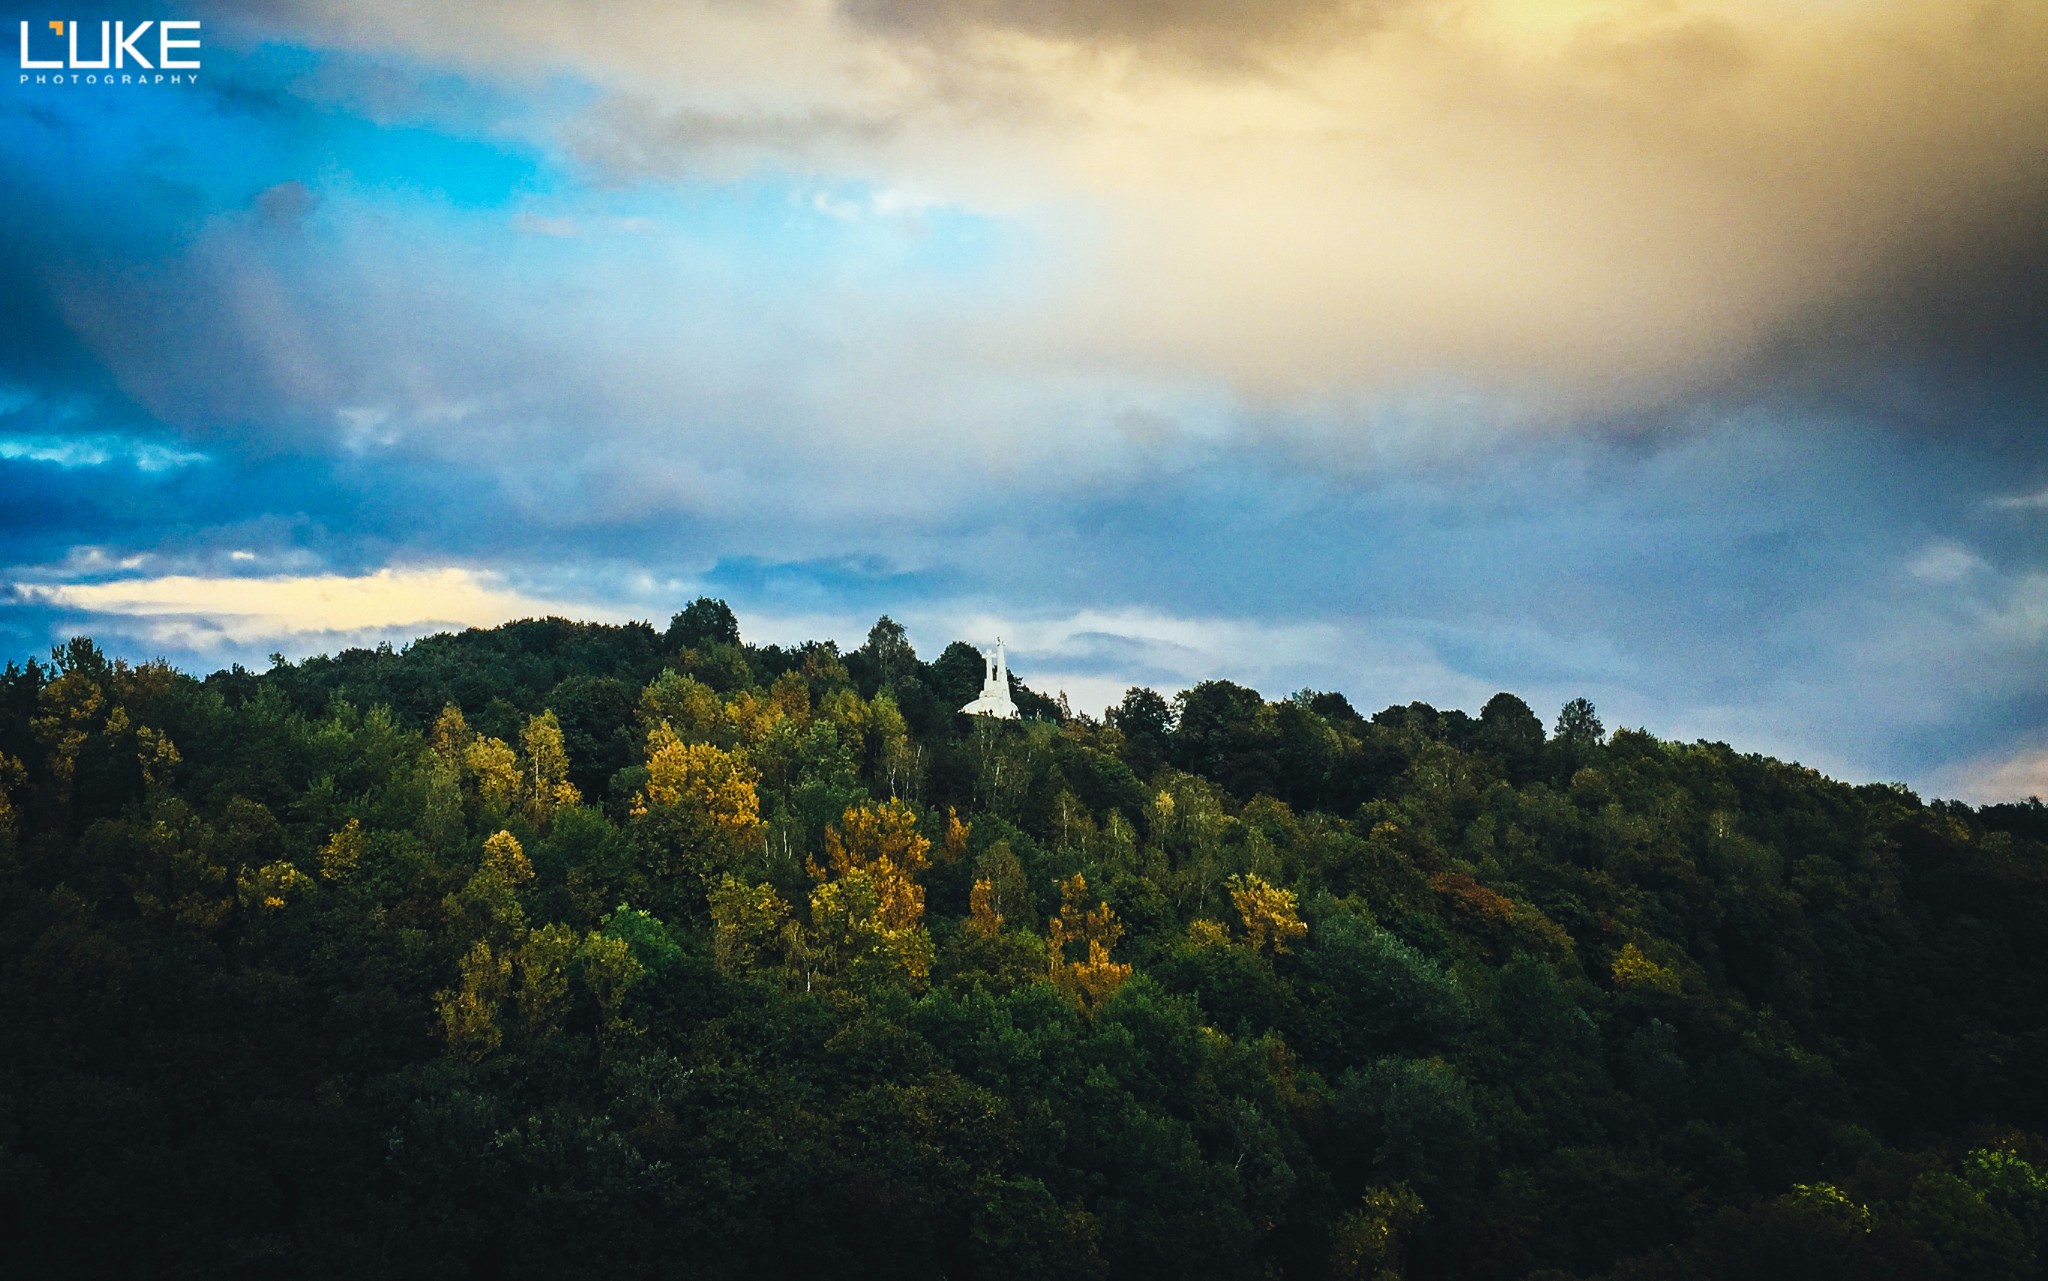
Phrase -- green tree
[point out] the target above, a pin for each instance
(1578, 725)
(702, 623)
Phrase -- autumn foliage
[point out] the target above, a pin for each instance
(1078, 943)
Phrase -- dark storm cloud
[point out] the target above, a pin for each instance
(1949, 340)
(39, 345)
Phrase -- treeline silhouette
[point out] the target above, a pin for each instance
(571, 950)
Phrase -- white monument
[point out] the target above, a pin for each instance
(995, 689)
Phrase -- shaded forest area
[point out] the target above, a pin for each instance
(572, 950)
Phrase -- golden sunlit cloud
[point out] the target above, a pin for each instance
(1999, 778)
(246, 610)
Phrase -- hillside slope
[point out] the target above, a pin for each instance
(573, 950)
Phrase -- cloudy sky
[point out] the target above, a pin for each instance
(1690, 355)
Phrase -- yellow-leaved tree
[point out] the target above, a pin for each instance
(896, 759)
(158, 756)
(490, 767)
(1092, 976)
(957, 834)
(1366, 1244)
(870, 835)
(488, 914)
(867, 914)
(68, 711)
(543, 993)
(469, 1010)
(451, 735)
(680, 773)
(1633, 968)
(982, 916)
(1008, 894)
(791, 694)
(442, 823)
(545, 778)
(700, 808)
(343, 852)
(270, 886)
(187, 874)
(494, 767)
(488, 905)
(1267, 910)
(1204, 933)
(532, 781)
(609, 970)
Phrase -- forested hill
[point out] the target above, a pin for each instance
(580, 951)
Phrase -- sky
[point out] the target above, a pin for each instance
(1690, 356)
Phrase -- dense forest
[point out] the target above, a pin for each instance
(574, 950)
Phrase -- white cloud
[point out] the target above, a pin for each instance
(365, 428)
(540, 225)
(2020, 622)
(96, 451)
(1944, 562)
(836, 206)
(2020, 502)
